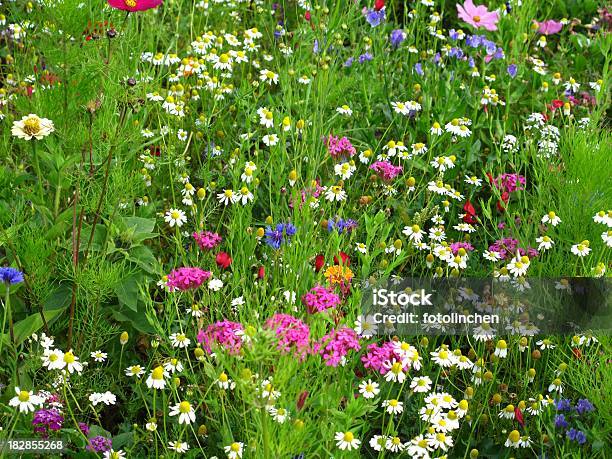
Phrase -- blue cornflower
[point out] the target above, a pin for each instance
(584, 406)
(349, 62)
(560, 422)
(375, 18)
(341, 225)
(280, 234)
(418, 68)
(10, 275)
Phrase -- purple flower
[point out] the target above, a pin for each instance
(560, 422)
(100, 444)
(397, 37)
(512, 70)
(563, 404)
(375, 18)
(46, 420)
(577, 435)
(10, 275)
(366, 57)
(349, 62)
(584, 406)
(418, 68)
(280, 234)
(340, 225)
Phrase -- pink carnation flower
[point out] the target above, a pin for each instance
(336, 345)
(478, 16)
(207, 240)
(386, 170)
(319, 298)
(339, 146)
(293, 335)
(134, 5)
(221, 334)
(377, 355)
(187, 278)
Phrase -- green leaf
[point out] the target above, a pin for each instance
(144, 258)
(127, 292)
(30, 325)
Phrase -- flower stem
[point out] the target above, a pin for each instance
(37, 169)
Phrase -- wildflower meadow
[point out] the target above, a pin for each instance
(217, 218)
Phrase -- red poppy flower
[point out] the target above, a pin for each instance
(223, 260)
(261, 272)
(134, 5)
(379, 5)
(556, 103)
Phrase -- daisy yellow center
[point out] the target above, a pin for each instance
(223, 377)
(229, 193)
(416, 228)
(348, 437)
(396, 368)
(463, 404)
(423, 443)
(369, 388)
(270, 75)
(158, 373)
(443, 355)
(185, 407)
(69, 357)
(136, 369)
(24, 396)
(281, 411)
(441, 437)
(235, 447)
(514, 436)
(53, 357)
(268, 387)
(224, 58)
(396, 441)
(31, 126)
(510, 409)
(175, 215)
(393, 403)
(447, 398)
(501, 344)
(422, 383)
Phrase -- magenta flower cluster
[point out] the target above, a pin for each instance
(221, 334)
(207, 240)
(386, 170)
(510, 182)
(293, 335)
(376, 356)
(336, 345)
(338, 147)
(46, 421)
(455, 246)
(508, 247)
(187, 278)
(320, 298)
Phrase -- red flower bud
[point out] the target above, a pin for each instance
(301, 400)
(261, 272)
(346, 261)
(518, 414)
(319, 262)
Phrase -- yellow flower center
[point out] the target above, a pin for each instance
(185, 407)
(476, 18)
(24, 396)
(130, 3)
(224, 58)
(53, 357)
(69, 357)
(158, 373)
(348, 437)
(443, 355)
(393, 403)
(223, 377)
(514, 436)
(235, 447)
(175, 214)
(31, 125)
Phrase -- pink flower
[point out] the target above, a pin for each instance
(221, 334)
(478, 16)
(186, 278)
(549, 27)
(319, 298)
(336, 345)
(386, 170)
(134, 5)
(207, 240)
(293, 335)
